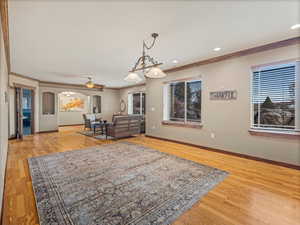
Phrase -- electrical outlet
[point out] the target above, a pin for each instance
(152, 109)
(212, 135)
(153, 127)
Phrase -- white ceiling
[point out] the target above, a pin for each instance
(65, 41)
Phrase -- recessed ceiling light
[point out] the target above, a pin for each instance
(296, 26)
(175, 61)
(217, 49)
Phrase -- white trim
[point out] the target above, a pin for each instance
(166, 102)
(167, 105)
(297, 97)
(272, 131)
(130, 102)
(273, 66)
(185, 104)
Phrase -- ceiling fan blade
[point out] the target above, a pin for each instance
(99, 86)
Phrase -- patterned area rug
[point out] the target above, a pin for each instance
(117, 184)
(97, 136)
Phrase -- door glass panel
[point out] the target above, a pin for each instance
(27, 111)
(177, 101)
(136, 103)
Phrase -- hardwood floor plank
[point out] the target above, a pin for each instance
(254, 193)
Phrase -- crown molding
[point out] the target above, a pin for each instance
(5, 30)
(98, 87)
(249, 51)
(132, 86)
(23, 76)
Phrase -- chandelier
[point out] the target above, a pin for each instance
(147, 64)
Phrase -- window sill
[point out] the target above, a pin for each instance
(274, 133)
(182, 124)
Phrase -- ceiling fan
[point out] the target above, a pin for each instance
(89, 84)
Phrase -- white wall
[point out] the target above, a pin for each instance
(3, 115)
(13, 79)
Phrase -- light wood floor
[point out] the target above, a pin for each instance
(254, 192)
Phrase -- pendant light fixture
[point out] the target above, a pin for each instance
(148, 65)
(90, 83)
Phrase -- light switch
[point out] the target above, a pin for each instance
(212, 135)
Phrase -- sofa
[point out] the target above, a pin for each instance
(125, 126)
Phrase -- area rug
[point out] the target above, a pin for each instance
(117, 184)
(97, 136)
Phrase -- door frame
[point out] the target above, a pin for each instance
(18, 120)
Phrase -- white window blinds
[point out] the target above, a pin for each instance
(274, 97)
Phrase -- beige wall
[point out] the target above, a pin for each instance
(3, 115)
(71, 118)
(109, 101)
(228, 120)
(125, 91)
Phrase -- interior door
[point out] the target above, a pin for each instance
(19, 113)
(27, 111)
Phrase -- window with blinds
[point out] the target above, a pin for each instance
(273, 97)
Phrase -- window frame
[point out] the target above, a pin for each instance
(275, 130)
(100, 106)
(53, 110)
(167, 104)
(131, 105)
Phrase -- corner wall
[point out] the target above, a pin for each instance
(3, 115)
(228, 120)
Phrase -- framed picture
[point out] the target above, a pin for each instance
(71, 104)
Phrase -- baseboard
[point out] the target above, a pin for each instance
(11, 137)
(46, 131)
(291, 166)
(69, 125)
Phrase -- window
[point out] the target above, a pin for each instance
(96, 104)
(183, 101)
(137, 103)
(48, 103)
(274, 98)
